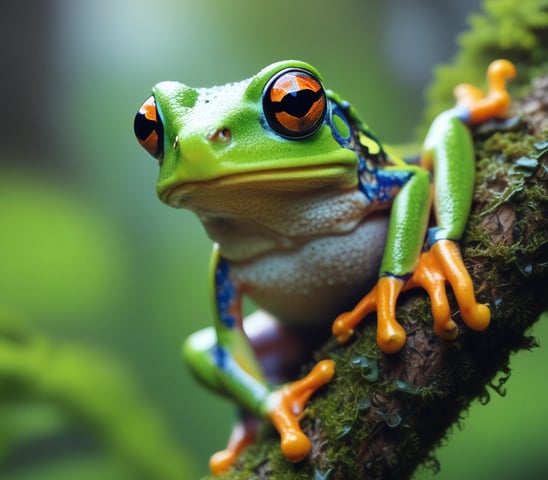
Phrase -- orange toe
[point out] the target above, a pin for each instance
(288, 405)
(391, 335)
(477, 316)
(295, 445)
(447, 330)
(344, 325)
(221, 461)
(242, 435)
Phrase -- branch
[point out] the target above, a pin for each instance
(382, 416)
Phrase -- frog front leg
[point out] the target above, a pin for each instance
(407, 228)
(448, 152)
(224, 360)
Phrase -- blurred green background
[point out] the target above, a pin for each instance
(93, 266)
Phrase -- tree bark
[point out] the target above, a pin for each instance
(382, 415)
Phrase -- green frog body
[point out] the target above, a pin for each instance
(315, 220)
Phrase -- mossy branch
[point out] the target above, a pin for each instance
(382, 416)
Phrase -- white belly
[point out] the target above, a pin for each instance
(311, 285)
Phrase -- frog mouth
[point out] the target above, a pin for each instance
(288, 180)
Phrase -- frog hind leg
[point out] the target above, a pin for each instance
(283, 405)
(202, 353)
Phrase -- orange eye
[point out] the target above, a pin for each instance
(148, 128)
(294, 103)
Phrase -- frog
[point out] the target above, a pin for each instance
(315, 220)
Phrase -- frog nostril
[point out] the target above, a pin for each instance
(222, 135)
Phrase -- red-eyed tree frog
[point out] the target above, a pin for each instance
(309, 212)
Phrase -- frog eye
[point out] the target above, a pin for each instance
(294, 103)
(148, 128)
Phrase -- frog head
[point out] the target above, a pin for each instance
(276, 131)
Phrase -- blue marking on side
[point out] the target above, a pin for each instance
(338, 111)
(220, 356)
(225, 293)
(382, 185)
(255, 387)
(377, 184)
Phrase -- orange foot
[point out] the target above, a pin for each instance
(287, 405)
(441, 264)
(242, 435)
(496, 101)
(390, 334)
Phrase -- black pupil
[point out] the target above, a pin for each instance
(297, 103)
(143, 126)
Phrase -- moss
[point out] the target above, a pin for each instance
(500, 171)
